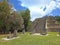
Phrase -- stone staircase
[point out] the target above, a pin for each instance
(39, 26)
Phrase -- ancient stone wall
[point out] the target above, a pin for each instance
(44, 25)
(38, 26)
(51, 24)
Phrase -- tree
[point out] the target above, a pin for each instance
(4, 14)
(26, 17)
(16, 22)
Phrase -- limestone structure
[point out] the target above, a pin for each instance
(44, 24)
(51, 24)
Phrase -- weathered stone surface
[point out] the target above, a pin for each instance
(38, 26)
(44, 24)
(51, 24)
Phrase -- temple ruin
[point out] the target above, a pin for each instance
(44, 25)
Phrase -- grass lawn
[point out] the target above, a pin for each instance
(28, 39)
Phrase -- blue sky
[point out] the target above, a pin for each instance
(38, 8)
(17, 5)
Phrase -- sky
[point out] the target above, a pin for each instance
(38, 8)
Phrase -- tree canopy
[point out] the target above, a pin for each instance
(12, 19)
(26, 17)
(57, 18)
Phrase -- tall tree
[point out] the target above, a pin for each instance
(4, 14)
(16, 22)
(26, 17)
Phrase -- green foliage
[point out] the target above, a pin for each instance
(14, 19)
(26, 17)
(57, 18)
(9, 20)
(4, 7)
(4, 14)
(1, 23)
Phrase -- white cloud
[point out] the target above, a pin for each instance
(36, 7)
(13, 9)
(58, 4)
(50, 7)
(57, 0)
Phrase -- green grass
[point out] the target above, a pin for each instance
(28, 39)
